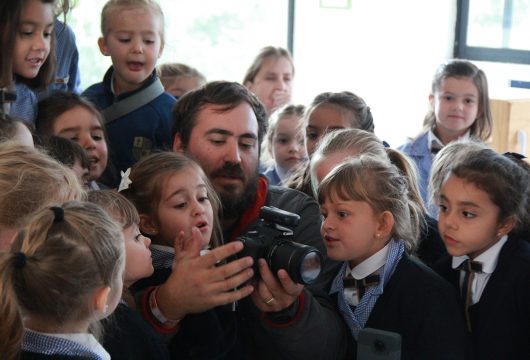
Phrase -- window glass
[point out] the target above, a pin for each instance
(218, 38)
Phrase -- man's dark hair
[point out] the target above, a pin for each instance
(226, 94)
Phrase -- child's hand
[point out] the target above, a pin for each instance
(197, 283)
(186, 247)
(275, 293)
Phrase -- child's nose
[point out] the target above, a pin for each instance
(39, 43)
(88, 143)
(137, 46)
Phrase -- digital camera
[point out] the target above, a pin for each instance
(270, 238)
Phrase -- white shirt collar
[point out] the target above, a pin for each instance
(488, 258)
(370, 265)
(434, 141)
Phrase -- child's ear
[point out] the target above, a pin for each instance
(385, 225)
(101, 296)
(506, 226)
(177, 144)
(431, 100)
(103, 46)
(147, 225)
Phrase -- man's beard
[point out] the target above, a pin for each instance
(234, 205)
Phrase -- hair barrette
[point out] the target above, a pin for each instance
(58, 213)
(514, 155)
(20, 260)
(125, 180)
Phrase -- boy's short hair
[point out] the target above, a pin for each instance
(114, 5)
(63, 150)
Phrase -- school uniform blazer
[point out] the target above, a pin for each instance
(421, 307)
(128, 336)
(501, 319)
(418, 150)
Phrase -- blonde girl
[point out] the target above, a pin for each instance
(341, 145)
(371, 225)
(127, 336)
(284, 146)
(62, 274)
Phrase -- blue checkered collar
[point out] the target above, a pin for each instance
(64, 344)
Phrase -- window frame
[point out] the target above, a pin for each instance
(463, 51)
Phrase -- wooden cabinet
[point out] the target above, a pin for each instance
(511, 125)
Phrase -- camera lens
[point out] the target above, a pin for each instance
(310, 267)
(302, 262)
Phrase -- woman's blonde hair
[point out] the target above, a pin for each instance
(56, 263)
(30, 180)
(266, 53)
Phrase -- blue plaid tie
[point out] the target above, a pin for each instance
(470, 268)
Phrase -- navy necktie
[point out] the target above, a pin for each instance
(470, 268)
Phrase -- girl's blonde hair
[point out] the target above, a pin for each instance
(358, 142)
(149, 176)
(30, 180)
(457, 68)
(381, 185)
(118, 206)
(56, 263)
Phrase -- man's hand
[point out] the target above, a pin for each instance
(275, 294)
(198, 283)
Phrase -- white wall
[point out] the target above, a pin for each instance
(384, 51)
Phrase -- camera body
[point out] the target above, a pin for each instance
(270, 238)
